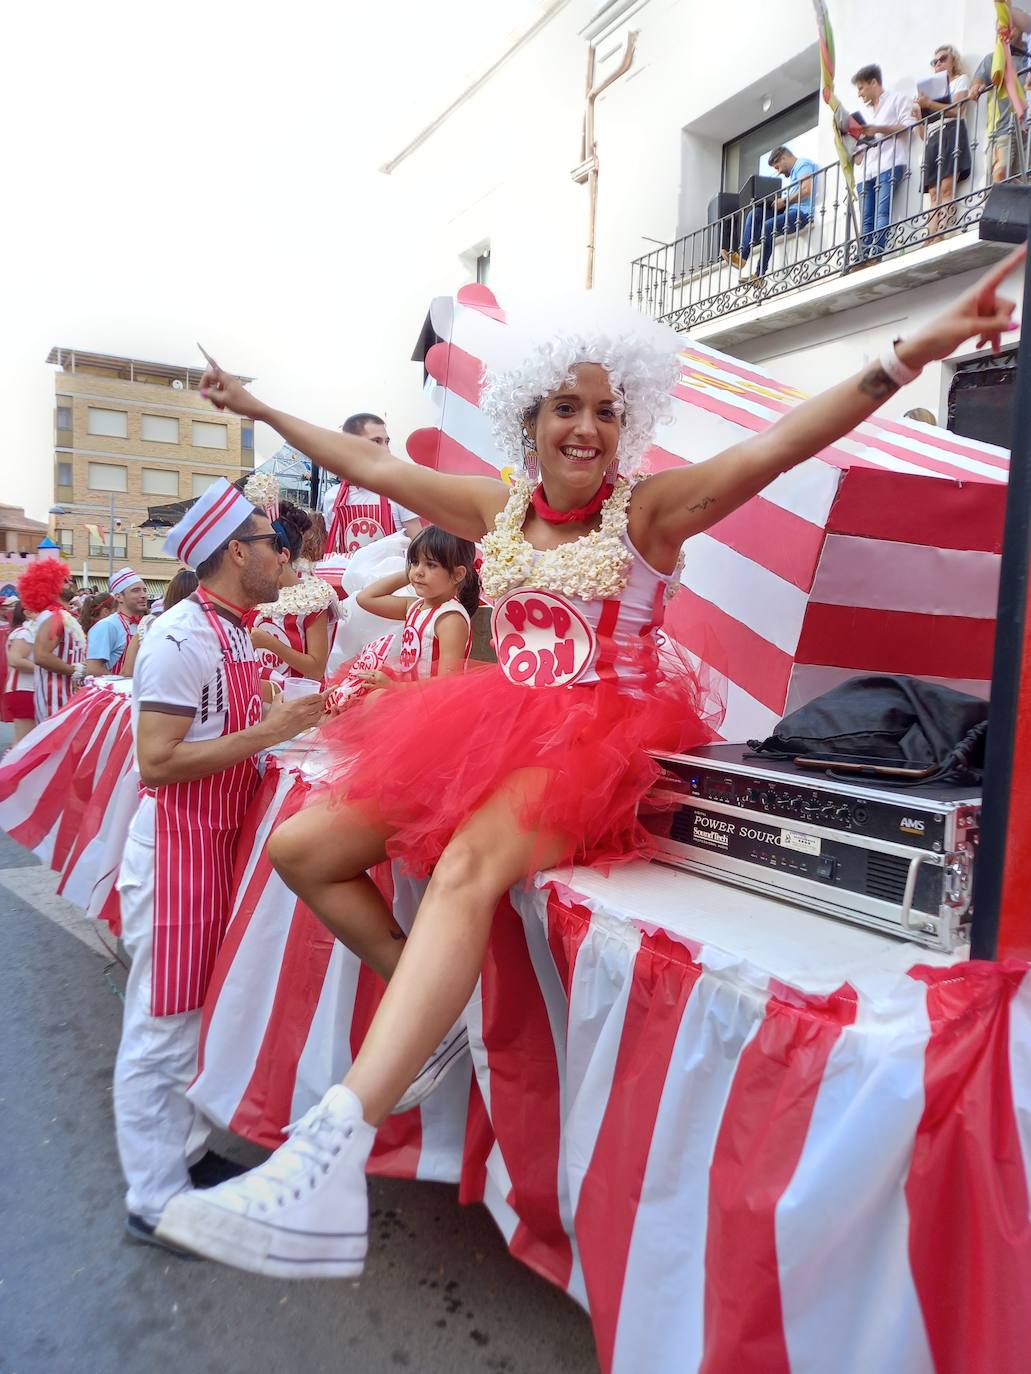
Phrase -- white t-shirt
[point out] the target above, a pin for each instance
(891, 150)
(361, 496)
(179, 669)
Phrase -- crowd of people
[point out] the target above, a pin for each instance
(473, 775)
(893, 125)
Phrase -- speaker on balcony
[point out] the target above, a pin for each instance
(725, 231)
(758, 188)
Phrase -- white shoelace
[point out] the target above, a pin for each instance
(315, 1141)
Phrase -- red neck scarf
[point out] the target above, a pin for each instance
(566, 517)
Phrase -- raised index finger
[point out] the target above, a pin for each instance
(987, 286)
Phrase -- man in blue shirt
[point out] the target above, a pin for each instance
(789, 212)
(109, 638)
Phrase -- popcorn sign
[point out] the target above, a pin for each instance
(541, 640)
(362, 531)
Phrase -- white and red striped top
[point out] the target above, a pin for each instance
(291, 631)
(54, 690)
(180, 669)
(15, 681)
(357, 516)
(419, 655)
(543, 639)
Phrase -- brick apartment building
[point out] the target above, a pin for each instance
(140, 432)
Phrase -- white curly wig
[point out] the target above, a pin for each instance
(639, 355)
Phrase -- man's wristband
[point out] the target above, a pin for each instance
(893, 366)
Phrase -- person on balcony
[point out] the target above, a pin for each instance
(786, 214)
(882, 160)
(1006, 138)
(947, 150)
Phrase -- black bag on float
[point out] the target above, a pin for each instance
(900, 720)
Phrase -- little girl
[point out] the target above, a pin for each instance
(435, 641)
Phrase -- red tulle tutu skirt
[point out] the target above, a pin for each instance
(424, 757)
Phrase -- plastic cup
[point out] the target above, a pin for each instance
(295, 687)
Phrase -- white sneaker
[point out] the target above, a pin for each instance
(440, 1063)
(303, 1214)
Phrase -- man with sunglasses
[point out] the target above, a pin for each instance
(197, 727)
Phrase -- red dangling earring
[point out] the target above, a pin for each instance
(612, 472)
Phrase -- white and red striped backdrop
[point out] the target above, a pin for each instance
(879, 555)
(801, 1156)
(68, 792)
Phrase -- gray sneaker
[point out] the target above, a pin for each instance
(451, 1051)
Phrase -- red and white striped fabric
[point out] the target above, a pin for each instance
(68, 792)
(732, 1160)
(269, 1050)
(738, 1142)
(881, 554)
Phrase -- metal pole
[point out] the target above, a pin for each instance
(1011, 625)
(111, 544)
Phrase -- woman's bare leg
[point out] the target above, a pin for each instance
(22, 728)
(441, 959)
(323, 853)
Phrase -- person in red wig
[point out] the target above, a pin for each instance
(45, 590)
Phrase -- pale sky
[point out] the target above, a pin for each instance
(209, 172)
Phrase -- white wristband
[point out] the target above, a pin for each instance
(894, 367)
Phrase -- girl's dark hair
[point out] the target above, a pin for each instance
(91, 609)
(18, 616)
(451, 553)
(295, 522)
(182, 585)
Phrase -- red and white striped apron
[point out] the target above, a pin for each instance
(196, 828)
(419, 655)
(127, 627)
(354, 524)
(53, 691)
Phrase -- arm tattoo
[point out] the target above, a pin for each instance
(703, 504)
(877, 383)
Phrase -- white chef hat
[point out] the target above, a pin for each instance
(208, 524)
(123, 579)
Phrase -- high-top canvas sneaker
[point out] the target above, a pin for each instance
(303, 1214)
(448, 1053)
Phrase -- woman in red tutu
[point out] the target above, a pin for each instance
(487, 776)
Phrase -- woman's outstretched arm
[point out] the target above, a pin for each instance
(672, 506)
(464, 505)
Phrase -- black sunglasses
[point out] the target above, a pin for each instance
(272, 538)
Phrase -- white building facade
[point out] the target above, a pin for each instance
(530, 183)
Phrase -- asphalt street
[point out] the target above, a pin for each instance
(440, 1291)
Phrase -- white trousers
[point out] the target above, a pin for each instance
(158, 1130)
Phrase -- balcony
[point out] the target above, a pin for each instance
(825, 263)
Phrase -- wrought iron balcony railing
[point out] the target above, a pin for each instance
(699, 277)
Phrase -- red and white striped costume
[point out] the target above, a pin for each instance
(174, 887)
(291, 631)
(15, 680)
(419, 648)
(54, 690)
(357, 517)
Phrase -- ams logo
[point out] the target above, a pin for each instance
(912, 825)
